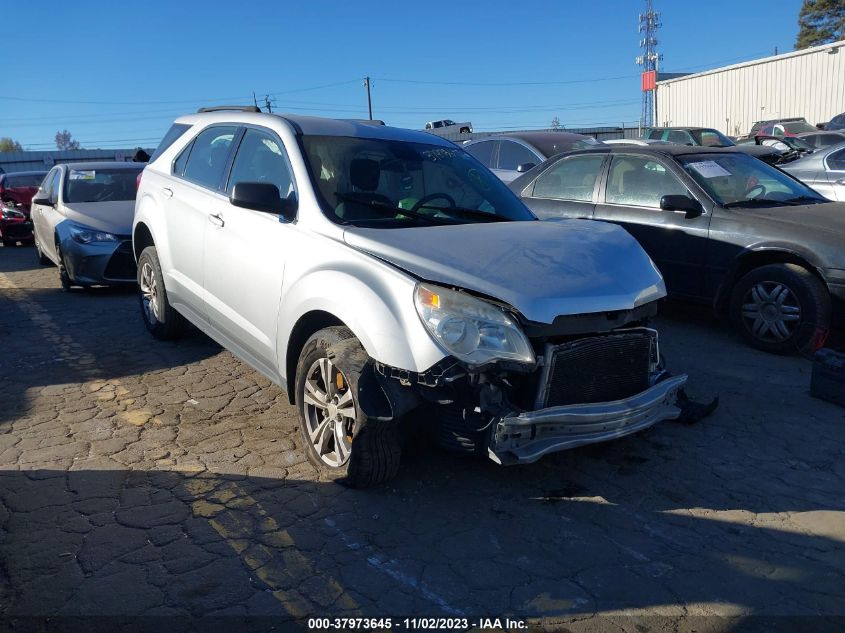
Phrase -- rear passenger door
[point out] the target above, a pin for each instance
(567, 189)
(245, 253)
(195, 194)
(631, 198)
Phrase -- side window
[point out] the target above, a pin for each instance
(512, 155)
(570, 179)
(640, 182)
(176, 130)
(209, 155)
(261, 158)
(182, 160)
(836, 161)
(483, 151)
(657, 135)
(54, 186)
(46, 186)
(680, 137)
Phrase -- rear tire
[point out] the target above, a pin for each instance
(160, 318)
(781, 308)
(339, 439)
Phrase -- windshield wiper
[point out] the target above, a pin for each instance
(389, 208)
(757, 202)
(473, 213)
(803, 199)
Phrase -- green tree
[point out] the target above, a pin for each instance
(64, 140)
(820, 22)
(9, 145)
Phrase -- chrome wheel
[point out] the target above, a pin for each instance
(329, 412)
(771, 311)
(149, 293)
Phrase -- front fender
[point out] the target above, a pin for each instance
(376, 303)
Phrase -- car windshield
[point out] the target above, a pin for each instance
(24, 180)
(736, 180)
(100, 185)
(711, 138)
(393, 184)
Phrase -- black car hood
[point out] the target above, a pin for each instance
(827, 217)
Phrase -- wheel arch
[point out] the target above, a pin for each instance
(142, 237)
(753, 258)
(308, 324)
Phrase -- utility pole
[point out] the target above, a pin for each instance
(369, 97)
(268, 104)
(254, 100)
(649, 23)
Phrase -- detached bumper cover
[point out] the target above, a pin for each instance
(527, 436)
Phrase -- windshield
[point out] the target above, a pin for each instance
(100, 185)
(394, 184)
(742, 180)
(797, 127)
(711, 138)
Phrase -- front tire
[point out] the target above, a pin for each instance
(160, 318)
(781, 308)
(42, 258)
(339, 439)
(64, 277)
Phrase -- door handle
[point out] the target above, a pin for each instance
(841, 181)
(216, 219)
(168, 192)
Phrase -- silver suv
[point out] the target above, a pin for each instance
(381, 275)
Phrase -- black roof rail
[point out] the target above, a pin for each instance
(251, 108)
(366, 121)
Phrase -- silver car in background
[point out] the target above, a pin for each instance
(82, 222)
(823, 170)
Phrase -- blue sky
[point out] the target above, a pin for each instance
(116, 74)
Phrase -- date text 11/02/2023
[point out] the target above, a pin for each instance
(434, 624)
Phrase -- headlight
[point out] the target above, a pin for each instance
(86, 236)
(472, 330)
(8, 214)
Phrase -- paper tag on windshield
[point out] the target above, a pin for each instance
(710, 169)
(82, 174)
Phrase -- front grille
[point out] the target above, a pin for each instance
(121, 266)
(18, 231)
(600, 369)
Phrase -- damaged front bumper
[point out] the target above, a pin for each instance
(525, 437)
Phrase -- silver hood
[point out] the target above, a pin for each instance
(112, 217)
(542, 269)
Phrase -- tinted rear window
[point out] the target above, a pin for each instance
(23, 180)
(176, 130)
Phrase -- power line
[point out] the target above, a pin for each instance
(506, 83)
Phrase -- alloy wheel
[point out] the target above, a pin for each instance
(771, 311)
(329, 410)
(149, 293)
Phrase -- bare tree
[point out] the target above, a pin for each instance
(556, 123)
(64, 140)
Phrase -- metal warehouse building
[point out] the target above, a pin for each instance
(809, 83)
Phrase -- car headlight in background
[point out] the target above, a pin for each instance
(9, 214)
(86, 236)
(472, 330)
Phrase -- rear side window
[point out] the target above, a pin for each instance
(208, 158)
(483, 152)
(25, 180)
(836, 161)
(571, 179)
(656, 135)
(512, 155)
(176, 130)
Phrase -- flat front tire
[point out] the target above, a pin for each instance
(781, 308)
(160, 319)
(339, 439)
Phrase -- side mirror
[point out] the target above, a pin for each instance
(692, 208)
(43, 201)
(264, 197)
(525, 167)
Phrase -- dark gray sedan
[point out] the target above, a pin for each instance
(724, 228)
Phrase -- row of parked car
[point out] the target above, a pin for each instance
(383, 275)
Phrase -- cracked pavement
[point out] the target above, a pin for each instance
(140, 478)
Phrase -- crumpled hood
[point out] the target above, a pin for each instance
(112, 217)
(542, 269)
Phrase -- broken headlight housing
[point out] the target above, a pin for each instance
(471, 329)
